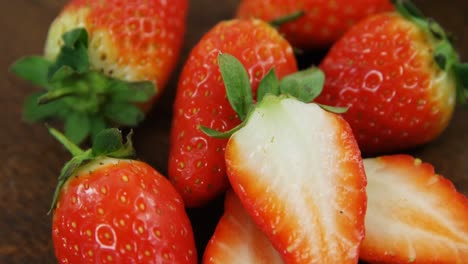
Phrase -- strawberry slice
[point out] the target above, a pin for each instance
(237, 239)
(413, 214)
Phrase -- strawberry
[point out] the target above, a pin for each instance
(296, 168)
(111, 209)
(414, 215)
(323, 23)
(196, 161)
(399, 75)
(102, 57)
(237, 239)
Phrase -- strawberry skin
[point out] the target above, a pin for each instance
(121, 211)
(384, 70)
(414, 215)
(323, 22)
(196, 161)
(129, 40)
(237, 239)
(298, 172)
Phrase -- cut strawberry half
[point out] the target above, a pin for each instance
(413, 214)
(296, 167)
(237, 239)
(298, 172)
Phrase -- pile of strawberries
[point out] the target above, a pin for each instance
(306, 159)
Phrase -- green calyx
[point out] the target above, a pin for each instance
(287, 18)
(107, 143)
(445, 55)
(86, 100)
(304, 85)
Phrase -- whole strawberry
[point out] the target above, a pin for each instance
(399, 75)
(323, 22)
(102, 57)
(111, 209)
(196, 161)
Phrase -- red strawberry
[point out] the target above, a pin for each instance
(237, 239)
(296, 168)
(323, 22)
(398, 74)
(95, 75)
(196, 161)
(110, 209)
(413, 214)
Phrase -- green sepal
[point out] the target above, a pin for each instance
(124, 114)
(334, 109)
(407, 8)
(73, 56)
(217, 134)
(304, 85)
(107, 143)
(77, 126)
(33, 69)
(287, 18)
(268, 85)
(461, 73)
(236, 80)
(136, 92)
(32, 111)
(75, 90)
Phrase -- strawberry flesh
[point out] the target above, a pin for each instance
(237, 238)
(299, 174)
(413, 214)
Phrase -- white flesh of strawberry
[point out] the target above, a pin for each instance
(288, 167)
(413, 215)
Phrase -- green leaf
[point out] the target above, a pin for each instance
(268, 85)
(408, 8)
(76, 37)
(68, 171)
(124, 114)
(461, 74)
(334, 109)
(107, 141)
(217, 134)
(33, 112)
(62, 73)
(236, 80)
(304, 85)
(73, 55)
(33, 69)
(286, 19)
(77, 126)
(132, 91)
(97, 125)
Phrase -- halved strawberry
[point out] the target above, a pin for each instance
(297, 170)
(413, 214)
(237, 239)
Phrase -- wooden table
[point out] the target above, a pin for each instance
(31, 159)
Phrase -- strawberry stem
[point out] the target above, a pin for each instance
(68, 144)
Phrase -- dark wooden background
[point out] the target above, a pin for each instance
(30, 159)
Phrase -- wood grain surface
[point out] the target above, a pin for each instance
(31, 159)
